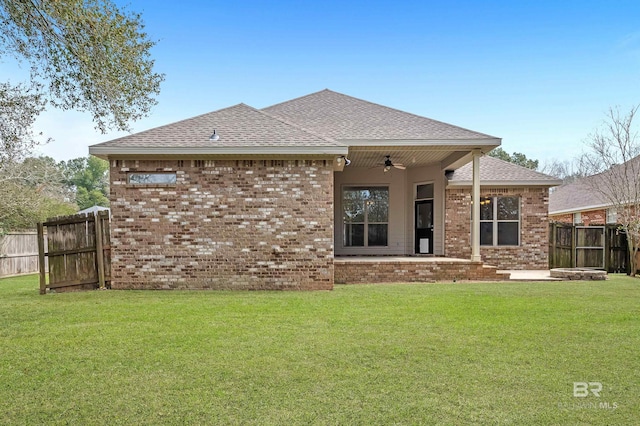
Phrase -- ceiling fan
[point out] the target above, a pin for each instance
(388, 164)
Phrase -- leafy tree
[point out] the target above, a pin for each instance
(88, 178)
(516, 158)
(32, 191)
(612, 162)
(19, 108)
(91, 55)
(86, 55)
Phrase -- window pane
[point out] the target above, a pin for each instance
(152, 178)
(353, 235)
(377, 235)
(508, 208)
(424, 191)
(507, 233)
(378, 205)
(486, 233)
(353, 204)
(486, 208)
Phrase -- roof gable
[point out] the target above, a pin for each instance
(343, 117)
(494, 171)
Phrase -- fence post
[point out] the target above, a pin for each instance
(99, 249)
(574, 237)
(41, 261)
(552, 251)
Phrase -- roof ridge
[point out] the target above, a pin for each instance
(298, 98)
(419, 116)
(297, 126)
(385, 107)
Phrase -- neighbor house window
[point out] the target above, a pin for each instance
(365, 216)
(152, 178)
(499, 221)
(612, 216)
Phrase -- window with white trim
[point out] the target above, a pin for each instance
(612, 216)
(500, 221)
(365, 216)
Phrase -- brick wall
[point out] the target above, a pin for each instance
(562, 218)
(533, 251)
(587, 218)
(262, 224)
(350, 271)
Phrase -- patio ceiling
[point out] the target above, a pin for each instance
(413, 156)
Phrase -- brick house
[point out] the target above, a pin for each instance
(320, 189)
(578, 204)
(582, 202)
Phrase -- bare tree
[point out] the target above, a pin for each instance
(613, 166)
(567, 170)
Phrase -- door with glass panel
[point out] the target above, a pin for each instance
(424, 227)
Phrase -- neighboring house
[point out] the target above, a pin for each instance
(577, 203)
(582, 201)
(266, 199)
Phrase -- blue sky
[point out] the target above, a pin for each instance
(540, 75)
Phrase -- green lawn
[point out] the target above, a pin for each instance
(365, 354)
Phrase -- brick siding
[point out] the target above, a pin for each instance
(260, 224)
(562, 218)
(350, 271)
(533, 251)
(587, 218)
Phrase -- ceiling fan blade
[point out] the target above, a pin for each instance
(399, 166)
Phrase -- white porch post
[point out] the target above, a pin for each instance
(475, 211)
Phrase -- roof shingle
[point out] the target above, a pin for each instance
(343, 117)
(236, 126)
(496, 171)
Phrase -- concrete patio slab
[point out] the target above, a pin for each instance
(530, 275)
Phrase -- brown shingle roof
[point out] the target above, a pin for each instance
(494, 171)
(236, 126)
(343, 117)
(575, 196)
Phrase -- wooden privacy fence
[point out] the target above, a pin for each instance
(598, 247)
(78, 252)
(18, 253)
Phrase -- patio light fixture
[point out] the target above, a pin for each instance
(214, 136)
(342, 158)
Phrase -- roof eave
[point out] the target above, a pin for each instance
(498, 183)
(106, 151)
(480, 143)
(580, 209)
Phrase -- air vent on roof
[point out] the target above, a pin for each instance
(214, 136)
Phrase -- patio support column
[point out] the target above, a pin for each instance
(475, 210)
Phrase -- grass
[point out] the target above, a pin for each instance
(504, 353)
